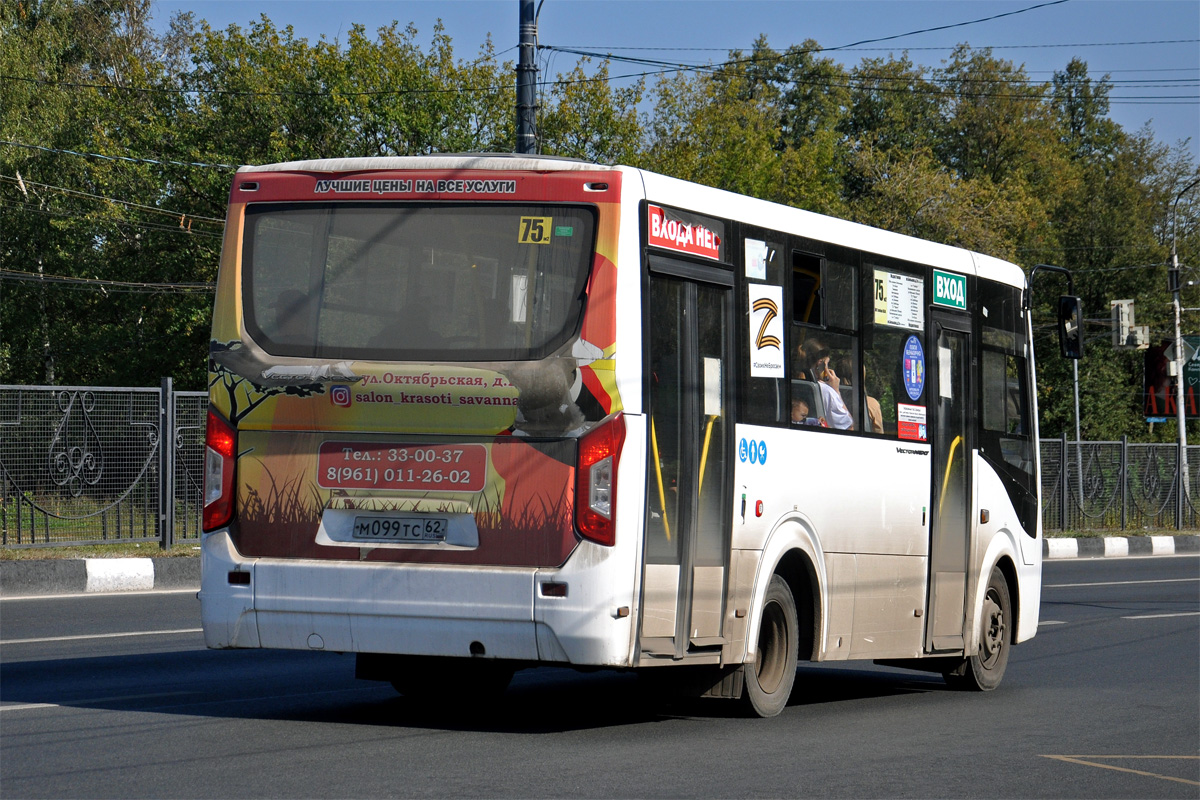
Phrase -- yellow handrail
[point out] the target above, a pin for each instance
(704, 455)
(946, 479)
(662, 497)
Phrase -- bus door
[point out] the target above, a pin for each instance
(689, 326)
(950, 407)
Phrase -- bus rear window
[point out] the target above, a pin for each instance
(408, 282)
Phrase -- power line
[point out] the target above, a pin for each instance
(952, 25)
(120, 223)
(104, 285)
(910, 49)
(128, 159)
(181, 215)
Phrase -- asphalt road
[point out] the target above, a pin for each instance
(114, 696)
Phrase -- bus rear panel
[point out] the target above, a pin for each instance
(412, 375)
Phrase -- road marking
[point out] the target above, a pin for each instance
(1117, 583)
(28, 706)
(1166, 616)
(1052, 622)
(101, 636)
(1083, 760)
(95, 595)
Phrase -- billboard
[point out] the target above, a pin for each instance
(1159, 391)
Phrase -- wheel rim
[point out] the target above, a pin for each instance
(772, 648)
(995, 630)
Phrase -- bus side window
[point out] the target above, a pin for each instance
(807, 295)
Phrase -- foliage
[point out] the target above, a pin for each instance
(140, 133)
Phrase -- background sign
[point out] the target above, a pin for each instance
(1159, 385)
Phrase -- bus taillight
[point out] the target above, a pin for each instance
(221, 444)
(596, 481)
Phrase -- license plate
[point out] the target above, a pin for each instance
(402, 529)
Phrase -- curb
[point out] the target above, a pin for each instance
(105, 575)
(1120, 546)
(97, 575)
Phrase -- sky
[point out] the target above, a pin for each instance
(1150, 49)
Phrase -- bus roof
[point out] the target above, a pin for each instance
(506, 162)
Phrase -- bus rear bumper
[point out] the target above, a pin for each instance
(368, 607)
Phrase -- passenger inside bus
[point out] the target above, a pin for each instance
(806, 404)
(817, 357)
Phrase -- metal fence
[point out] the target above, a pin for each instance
(1119, 486)
(90, 465)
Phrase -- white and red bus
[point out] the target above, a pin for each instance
(472, 414)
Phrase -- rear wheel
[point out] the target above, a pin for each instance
(982, 672)
(769, 680)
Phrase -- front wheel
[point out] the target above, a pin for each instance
(769, 680)
(982, 672)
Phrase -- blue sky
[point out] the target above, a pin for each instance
(1136, 42)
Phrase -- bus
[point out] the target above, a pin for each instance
(464, 410)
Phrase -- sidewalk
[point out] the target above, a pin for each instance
(81, 575)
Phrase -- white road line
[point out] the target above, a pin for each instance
(101, 636)
(1166, 616)
(91, 700)
(1117, 583)
(1051, 622)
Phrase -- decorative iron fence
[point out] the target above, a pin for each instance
(90, 465)
(1120, 486)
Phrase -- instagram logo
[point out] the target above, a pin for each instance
(340, 396)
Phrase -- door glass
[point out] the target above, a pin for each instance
(667, 378)
(951, 453)
(712, 516)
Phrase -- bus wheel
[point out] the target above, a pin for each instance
(982, 672)
(769, 680)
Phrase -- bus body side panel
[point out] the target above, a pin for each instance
(1003, 537)
(226, 607)
(595, 622)
(864, 503)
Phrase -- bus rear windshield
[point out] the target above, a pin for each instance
(409, 282)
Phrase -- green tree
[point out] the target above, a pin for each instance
(589, 119)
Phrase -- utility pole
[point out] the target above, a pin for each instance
(526, 80)
(1176, 284)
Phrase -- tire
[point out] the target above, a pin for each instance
(983, 671)
(768, 681)
(457, 681)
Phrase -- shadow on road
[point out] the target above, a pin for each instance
(303, 686)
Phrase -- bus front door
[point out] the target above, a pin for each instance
(687, 491)
(949, 546)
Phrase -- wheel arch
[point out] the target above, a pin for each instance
(1002, 555)
(796, 569)
(1009, 570)
(792, 551)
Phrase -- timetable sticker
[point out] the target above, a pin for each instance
(899, 300)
